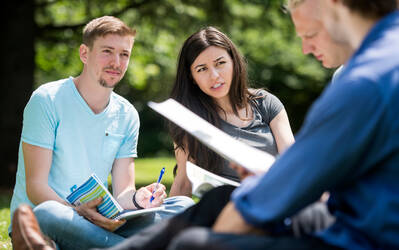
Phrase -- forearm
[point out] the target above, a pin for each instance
(179, 188)
(125, 198)
(38, 192)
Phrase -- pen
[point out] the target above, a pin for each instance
(156, 186)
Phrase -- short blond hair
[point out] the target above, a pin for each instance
(292, 4)
(103, 26)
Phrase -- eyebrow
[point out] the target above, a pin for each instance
(217, 59)
(110, 47)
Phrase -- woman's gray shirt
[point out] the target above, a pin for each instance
(257, 133)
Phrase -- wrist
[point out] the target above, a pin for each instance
(135, 202)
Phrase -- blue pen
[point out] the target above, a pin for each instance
(156, 187)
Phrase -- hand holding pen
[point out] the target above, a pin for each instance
(158, 181)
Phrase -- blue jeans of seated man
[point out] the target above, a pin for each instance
(69, 230)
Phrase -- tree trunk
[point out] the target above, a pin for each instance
(17, 66)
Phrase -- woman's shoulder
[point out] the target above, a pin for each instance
(261, 95)
(258, 92)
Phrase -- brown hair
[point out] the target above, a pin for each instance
(103, 26)
(190, 95)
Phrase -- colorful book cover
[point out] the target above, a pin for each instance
(92, 189)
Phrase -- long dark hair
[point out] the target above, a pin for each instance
(190, 95)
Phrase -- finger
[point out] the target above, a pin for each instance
(94, 203)
(154, 186)
(159, 192)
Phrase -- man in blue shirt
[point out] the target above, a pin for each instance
(78, 126)
(349, 144)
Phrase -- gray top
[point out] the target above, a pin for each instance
(257, 133)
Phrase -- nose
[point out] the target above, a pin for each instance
(214, 73)
(116, 60)
(307, 47)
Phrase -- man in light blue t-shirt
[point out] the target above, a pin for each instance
(78, 126)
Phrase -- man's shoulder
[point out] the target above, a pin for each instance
(122, 104)
(51, 88)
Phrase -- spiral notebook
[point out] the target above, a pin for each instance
(109, 207)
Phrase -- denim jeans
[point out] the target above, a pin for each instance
(71, 231)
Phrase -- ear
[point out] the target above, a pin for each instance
(83, 53)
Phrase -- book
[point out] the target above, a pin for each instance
(93, 188)
(203, 180)
(254, 160)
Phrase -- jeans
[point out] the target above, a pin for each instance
(69, 230)
(191, 230)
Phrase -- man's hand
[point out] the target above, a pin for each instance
(231, 221)
(143, 195)
(89, 211)
(241, 171)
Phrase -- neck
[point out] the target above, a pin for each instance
(358, 28)
(95, 95)
(224, 103)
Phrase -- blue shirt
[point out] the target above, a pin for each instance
(57, 118)
(349, 145)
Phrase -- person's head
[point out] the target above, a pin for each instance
(210, 73)
(306, 17)
(106, 48)
(207, 58)
(345, 20)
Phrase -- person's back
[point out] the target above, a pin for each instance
(369, 208)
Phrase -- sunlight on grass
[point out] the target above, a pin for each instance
(147, 171)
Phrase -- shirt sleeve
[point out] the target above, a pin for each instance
(39, 121)
(270, 106)
(334, 138)
(129, 144)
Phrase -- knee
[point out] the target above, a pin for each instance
(51, 213)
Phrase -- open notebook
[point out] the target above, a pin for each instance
(203, 180)
(229, 148)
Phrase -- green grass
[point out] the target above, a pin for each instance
(147, 171)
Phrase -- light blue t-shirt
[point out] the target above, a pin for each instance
(57, 118)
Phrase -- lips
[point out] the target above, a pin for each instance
(217, 85)
(115, 73)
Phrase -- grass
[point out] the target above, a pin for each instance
(147, 171)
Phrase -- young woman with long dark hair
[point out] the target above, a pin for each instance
(212, 81)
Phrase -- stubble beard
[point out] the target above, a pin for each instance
(104, 83)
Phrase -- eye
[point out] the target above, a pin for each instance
(125, 54)
(220, 63)
(107, 51)
(311, 35)
(201, 69)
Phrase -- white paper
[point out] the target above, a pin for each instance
(229, 148)
(203, 180)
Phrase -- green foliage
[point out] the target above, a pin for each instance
(5, 241)
(262, 31)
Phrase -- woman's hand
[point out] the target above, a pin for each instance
(241, 171)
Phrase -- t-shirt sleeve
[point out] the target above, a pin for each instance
(39, 121)
(129, 144)
(270, 106)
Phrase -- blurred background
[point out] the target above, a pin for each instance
(42, 37)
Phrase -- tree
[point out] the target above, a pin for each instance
(43, 36)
